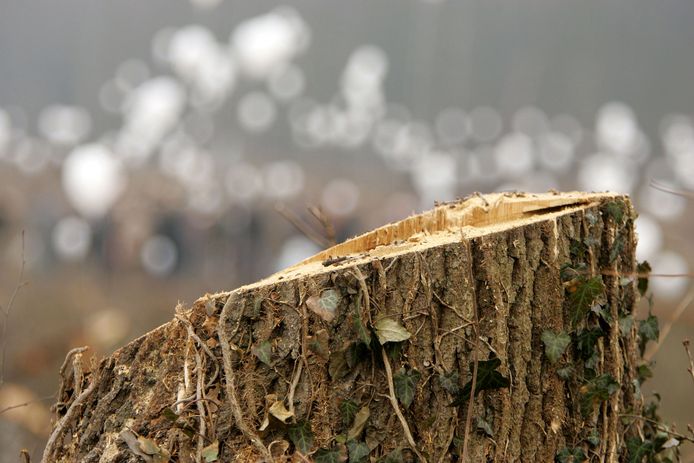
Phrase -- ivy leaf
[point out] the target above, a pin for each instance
(337, 365)
(358, 451)
(484, 426)
(555, 344)
(334, 455)
(348, 408)
(571, 455)
(565, 372)
(615, 210)
(450, 382)
(388, 330)
(649, 331)
(586, 340)
(488, 378)
(360, 420)
(597, 390)
(355, 353)
(638, 449)
(393, 457)
(643, 269)
(625, 324)
(301, 436)
(617, 248)
(211, 452)
(264, 352)
(362, 333)
(582, 296)
(405, 384)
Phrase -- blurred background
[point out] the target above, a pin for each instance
(145, 148)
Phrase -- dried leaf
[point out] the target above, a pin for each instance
(325, 305)
(389, 330)
(211, 452)
(279, 411)
(148, 446)
(359, 424)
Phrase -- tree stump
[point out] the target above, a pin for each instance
(495, 328)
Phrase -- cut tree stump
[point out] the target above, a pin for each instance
(373, 349)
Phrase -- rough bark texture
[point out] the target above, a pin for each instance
(300, 349)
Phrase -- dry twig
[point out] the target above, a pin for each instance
(685, 343)
(396, 407)
(679, 310)
(224, 340)
(6, 314)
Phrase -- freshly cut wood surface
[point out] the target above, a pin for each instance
(373, 349)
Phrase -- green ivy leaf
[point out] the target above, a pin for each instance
(484, 426)
(638, 449)
(348, 408)
(355, 353)
(358, 451)
(617, 248)
(585, 292)
(555, 344)
(488, 378)
(333, 455)
(597, 390)
(389, 330)
(586, 341)
(615, 210)
(644, 268)
(571, 455)
(301, 436)
(405, 384)
(625, 324)
(648, 331)
(264, 352)
(565, 372)
(211, 452)
(393, 457)
(359, 327)
(643, 372)
(450, 382)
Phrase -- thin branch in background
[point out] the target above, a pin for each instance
(685, 343)
(325, 222)
(26, 404)
(681, 307)
(6, 314)
(300, 225)
(666, 189)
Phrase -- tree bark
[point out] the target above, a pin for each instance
(369, 350)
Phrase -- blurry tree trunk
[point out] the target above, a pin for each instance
(370, 350)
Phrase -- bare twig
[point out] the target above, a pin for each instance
(26, 404)
(666, 189)
(475, 359)
(6, 314)
(26, 458)
(685, 343)
(659, 426)
(679, 310)
(325, 222)
(224, 340)
(300, 225)
(292, 387)
(396, 407)
(58, 430)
